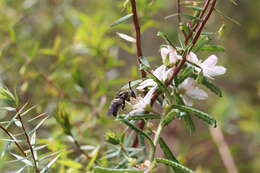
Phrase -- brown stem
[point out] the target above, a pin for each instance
(28, 141)
(136, 140)
(204, 22)
(204, 9)
(16, 143)
(138, 35)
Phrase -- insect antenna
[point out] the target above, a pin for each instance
(132, 92)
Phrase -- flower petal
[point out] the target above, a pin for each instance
(146, 83)
(192, 57)
(187, 101)
(171, 53)
(143, 103)
(214, 71)
(164, 53)
(187, 84)
(160, 72)
(197, 93)
(210, 61)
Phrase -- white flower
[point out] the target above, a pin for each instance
(143, 104)
(208, 66)
(169, 56)
(189, 91)
(161, 73)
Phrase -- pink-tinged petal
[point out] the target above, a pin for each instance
(164, 53)
(143, 103)
(210, 61)
(171, 53)
(219, 70)
(187, 101)
(214, 71)
(160, 72)
(169, 72)
(145, 84)
(197, 93)
(187, 84)
(192, 57)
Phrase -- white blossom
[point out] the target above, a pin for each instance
(143, 103)
(208, 66)
(161, 73)
(189, 91)
(169, 56)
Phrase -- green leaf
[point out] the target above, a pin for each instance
(210, 86)
(227, 17)
(212, 48)
(174, 164)
(186, 72)
(121, 20)
(166, 38)
(144, 117)
(161, 86)
(132, 126)
(189, 122)
(204, 116)
(110, 170)
(70, 163)
(203, 39)
(168, 154)
(194, 7)
(49, 164)
(144, 61)
(169, 117)
(233, 2)
(187, 16)
(94, 157)
(187, 118)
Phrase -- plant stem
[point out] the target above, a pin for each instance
(156, 139)
(28, 141)
(11, 136)
(204, 9)
(138, 35)
(79, 147)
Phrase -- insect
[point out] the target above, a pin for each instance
(119, 101)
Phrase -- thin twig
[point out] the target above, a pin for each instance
(79, 147)
(197, 34)
(139, 52)
(224, 150)
(16, 143)
(28, 141)
(204, 9)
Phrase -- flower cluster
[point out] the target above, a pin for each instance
(188, 89)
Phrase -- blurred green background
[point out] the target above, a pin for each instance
(65, 51)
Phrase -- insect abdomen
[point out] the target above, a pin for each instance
(115, 106)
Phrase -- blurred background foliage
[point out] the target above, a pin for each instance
(64, 51)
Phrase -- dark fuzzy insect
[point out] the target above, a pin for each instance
(119, 101)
